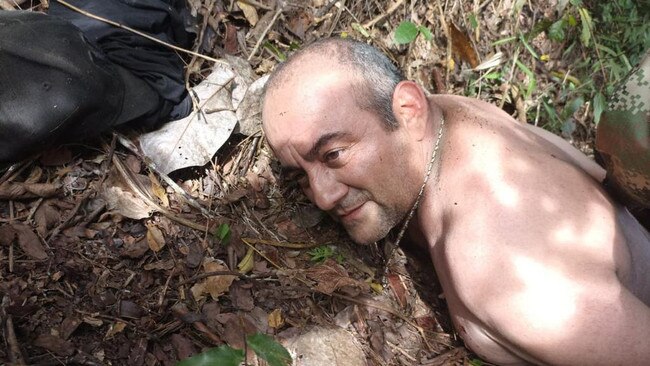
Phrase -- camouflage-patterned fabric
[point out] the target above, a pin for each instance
(623, 137)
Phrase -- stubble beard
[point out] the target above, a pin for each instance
(377, 222)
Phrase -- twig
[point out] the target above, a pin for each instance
(282, 245)
(181, 312)
(206, 17)
(161, 298)
(256, 4)
(278, 11)
(115, 24)
(214, 273)
(33, 209)
(63, 225)
(325, 9)
(152, 166)
(383, 15)
(131, 182)
(15, 356)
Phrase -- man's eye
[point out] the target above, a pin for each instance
(331, 156)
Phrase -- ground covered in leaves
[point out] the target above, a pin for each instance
(226, 250)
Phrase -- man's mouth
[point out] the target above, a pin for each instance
(351, 213)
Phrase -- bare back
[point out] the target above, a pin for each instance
(526, 226)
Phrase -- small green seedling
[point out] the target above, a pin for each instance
(324, 252)
(407, 31)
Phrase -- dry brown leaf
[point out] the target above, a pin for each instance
(155, 238)
(249, 12)
(462, 46)
(35, 175)
(29, 242)
(46, 217)
(114, 329)
(298, 23)
(331, 276)
(275, 319)
(158, 190)
(135, 249)
(133, 163)
(230, 44)
(213, 285)
(120, 198)
(16, 191)
(55, 344)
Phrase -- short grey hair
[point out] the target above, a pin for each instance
(378, 74)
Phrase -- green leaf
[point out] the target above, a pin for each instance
(269, 350)
(406, 32)
(532, 81)
(425, 32)
(359, 28)
(472, 20)
(222, 356)
(476, 362)
(275, 51)
(528, 47)
(556, 31)
(503, 40)
(223, 233)
(321, 253)
(585, 36)
(572, 20)
(599, 106)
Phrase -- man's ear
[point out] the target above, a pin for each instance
(410, 107)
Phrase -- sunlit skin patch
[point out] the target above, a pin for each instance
(487, 162)
(547, 301)
(590, 235)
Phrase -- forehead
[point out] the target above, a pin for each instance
(307, 104)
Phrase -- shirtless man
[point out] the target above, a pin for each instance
(538, 264)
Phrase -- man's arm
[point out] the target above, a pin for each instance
(564, 321)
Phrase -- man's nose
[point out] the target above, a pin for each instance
(325, 190)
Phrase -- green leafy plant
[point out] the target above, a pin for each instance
(264, 346)
(324, 252)
(407, 31)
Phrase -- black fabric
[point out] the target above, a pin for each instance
(52, 86)
(66, 77)
(156, 64)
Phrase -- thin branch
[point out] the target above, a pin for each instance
(268, 28)
(385, 14)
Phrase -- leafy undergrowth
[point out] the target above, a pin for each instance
(230, 251)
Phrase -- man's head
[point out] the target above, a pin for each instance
(341, 120)
(378, 77)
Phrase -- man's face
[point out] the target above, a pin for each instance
(346, 162)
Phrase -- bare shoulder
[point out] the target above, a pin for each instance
(517, 201)
(484, 119)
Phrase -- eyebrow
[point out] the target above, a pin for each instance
(322, 141)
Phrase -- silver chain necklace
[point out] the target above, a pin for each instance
(420, 194)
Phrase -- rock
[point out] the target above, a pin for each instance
(325, 346)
